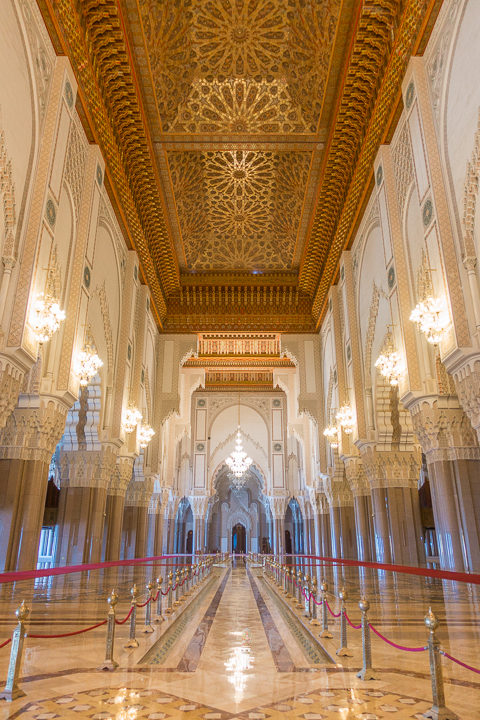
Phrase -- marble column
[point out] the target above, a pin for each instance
(381, 529)
(81, 515)
(23, 489)
(158, 538)
(141, 528)
(362, 505)
(114, 512)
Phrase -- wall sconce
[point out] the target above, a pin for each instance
(145, 435)
(346, 418)
(132, 418)
(48, 319)
(390, 363)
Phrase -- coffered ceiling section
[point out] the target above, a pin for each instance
(239, 66)
(236, 91)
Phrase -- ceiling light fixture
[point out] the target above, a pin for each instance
(346, 418)
(389, 362)
(132, 418)
(48, 318)
(145, 435)
(238, 462)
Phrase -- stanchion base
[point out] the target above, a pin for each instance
(131, 644)
(367, 674)
(299, 606)
(288, 596)
(442, 713)
(177, 603)
(314, 621)
(159, 619)
(326, 634)
(10, 695)
(344, 652)
(169, 611)
(108, 665)
(146, 629)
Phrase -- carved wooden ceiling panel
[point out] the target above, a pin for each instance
(239, 209)
(239, 137)
(239, 66)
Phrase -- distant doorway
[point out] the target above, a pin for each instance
(239, 544)
(189, 547)
(288, 542)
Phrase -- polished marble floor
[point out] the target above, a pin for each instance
(238, 650)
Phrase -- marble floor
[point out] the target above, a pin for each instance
(237, 650)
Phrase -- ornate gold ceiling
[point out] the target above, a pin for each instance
(238, 137)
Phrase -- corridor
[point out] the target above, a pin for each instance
(238, 649)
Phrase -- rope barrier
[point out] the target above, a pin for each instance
(459, 662)
(356, 627)
(5, 643)
(399, 647)
(331, 611)
(145, 603)
(62, 635)
(122, 622)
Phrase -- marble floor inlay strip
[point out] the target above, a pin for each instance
(310, 648)
(160, 650)
(193, 652)
(280, 654)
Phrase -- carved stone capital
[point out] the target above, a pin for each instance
(199, 504)
(278, 506)
(441, 424)
(356, 477)
(34, 428)
(391, 468)
(87, 468)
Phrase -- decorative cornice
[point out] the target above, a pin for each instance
(388, 33)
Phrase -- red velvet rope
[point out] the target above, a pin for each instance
(356, 627)
(399, 647)
(5, 643)
(473, 578)
(77, 632)
(459, 662)
(122, 622)
(50, 572)
(145, 603)
(331, 611)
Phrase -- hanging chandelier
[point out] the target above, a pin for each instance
(48, 318)
(390, 363)
(346, 418)
(145, 435)
(238, 483)
(132, 418)
(331, 433)
(427, 316)
(88, 363)
(238, 462)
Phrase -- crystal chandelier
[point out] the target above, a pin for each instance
(238, 483)
(331, 433)
(427, 316)
(145, 435)
(390, 363)
(132, 418)
(238, 462)
(88, 363)
(346, 418)
(48, 318)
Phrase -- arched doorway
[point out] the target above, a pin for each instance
(288, 542)
(238, 538)
(189, 547)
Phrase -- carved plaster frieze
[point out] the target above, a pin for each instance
(199, 504)
(87, 468)
(278, 506)
(356, 477)
(11, 379)
(384, 469)
(443, 429)
(33, 429)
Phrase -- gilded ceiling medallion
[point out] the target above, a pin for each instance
(239, 210)
(239, 66)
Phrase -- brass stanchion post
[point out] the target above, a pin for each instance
(159, 617)
(325, 631)
(177, 588)
(299, 604)
(147, 627)
(132, 642)
(367, 672)
(289, 583)
(343, 650)
(438, 711)
(314, 620)
(169, 609)
(109, 663)
(306, 589)
(11, 690)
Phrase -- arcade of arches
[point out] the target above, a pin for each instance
(220, 216)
